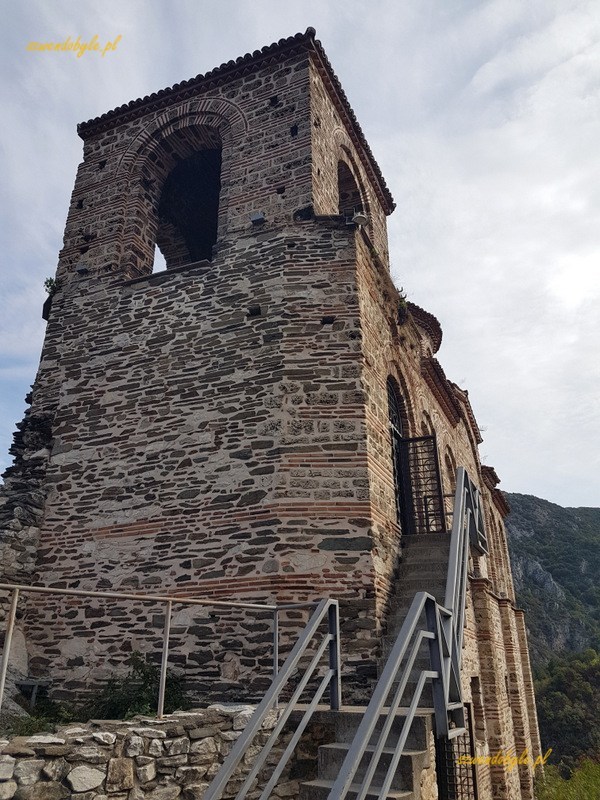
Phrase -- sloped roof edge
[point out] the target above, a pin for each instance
(241, 66)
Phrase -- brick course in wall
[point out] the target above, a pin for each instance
(221, 429)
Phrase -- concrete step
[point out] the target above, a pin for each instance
(408, 772)
(320, 789)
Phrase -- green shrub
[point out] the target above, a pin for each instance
(582, 784)
(120, 698)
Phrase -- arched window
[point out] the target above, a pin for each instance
(174, 214)
(350, 199)
(427, 425)
(398, 420)
(450, 464)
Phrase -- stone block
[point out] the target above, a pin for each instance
(7, 767)
(146, 772)
(83, 778)
(56, 769)
(177, 746)
(104, 737)
(45, 790)
(28, 771)
(7, 790)
(195, 791)
(164, 793)
(134, 746)
(119, 775)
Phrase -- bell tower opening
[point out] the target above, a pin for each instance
(350, 199)
(188, 209)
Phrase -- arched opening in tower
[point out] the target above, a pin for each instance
(189, 208)
(350, 199)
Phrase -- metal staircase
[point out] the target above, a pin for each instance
(389, 746)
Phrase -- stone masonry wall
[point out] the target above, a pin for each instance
(148, 759)
(201, 447)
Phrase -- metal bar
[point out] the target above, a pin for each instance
(285, 757)
(165, 658)
(239, 748)
(289, 606)
(10, 625)
(335, 661)
(438, 663)
(395, 760)
(143, 597)
(377, 702)
(268, 746)
(389, 720)
(275, 643)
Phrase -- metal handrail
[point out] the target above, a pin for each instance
(168, 601)
(443, 629)
(327, 609)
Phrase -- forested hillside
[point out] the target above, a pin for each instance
(555, 554)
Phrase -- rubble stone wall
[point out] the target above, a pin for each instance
(147, 758)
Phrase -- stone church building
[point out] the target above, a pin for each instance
(263, 420)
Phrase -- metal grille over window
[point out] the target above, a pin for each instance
(456, 773)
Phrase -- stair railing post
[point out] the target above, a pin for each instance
(335, 661)
(10, 626)
(165, 657)
(275, 652)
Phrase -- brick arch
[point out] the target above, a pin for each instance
(394, 374)
(343, 149)
(186, 129)
(218, 113)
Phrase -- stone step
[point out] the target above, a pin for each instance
(347, 725)
(422, 544)
(408, 772)
(408, 588)
(320, 789)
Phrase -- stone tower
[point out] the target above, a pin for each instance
(263, 419)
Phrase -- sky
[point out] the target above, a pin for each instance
(485, 120)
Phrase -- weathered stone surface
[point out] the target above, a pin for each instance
(134, 745)
(146, 772)
(104, 737)
(45, 790)
(19, 746)
(204, 747)
(84, 778)
(155, 748)
(195, 791)
(28, 771)
(120, 774)
(241, 720)
(89, 753)
(45, 738)
(186, 775)
(7, 767)
(202, 733)
(150, 733)
(177, 746)
(7, 790)
(56, 769)
(164, 793)
(166, 762)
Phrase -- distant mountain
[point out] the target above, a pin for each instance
(555, 555)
